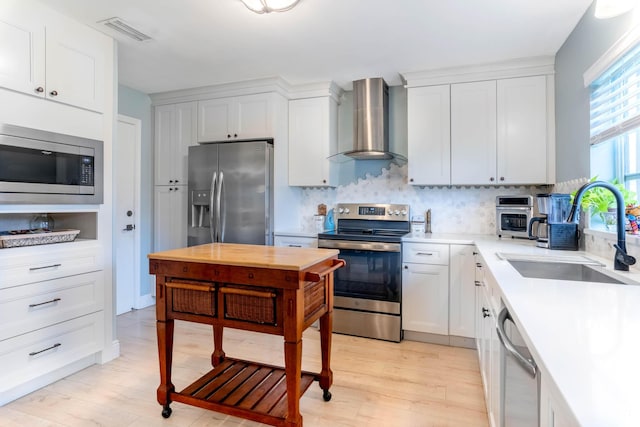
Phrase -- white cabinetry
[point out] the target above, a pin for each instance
(428, 121)
(170, 217)
(313, 137)
(553, 410)
(473, 132)
(52, 57)
(487, 343)
(51, 313)
(240, 117)
(175, 131)
(425, 288)
(295, 241)
(462, 296)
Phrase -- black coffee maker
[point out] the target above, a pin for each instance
(552, 230)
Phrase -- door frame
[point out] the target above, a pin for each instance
(138, 300)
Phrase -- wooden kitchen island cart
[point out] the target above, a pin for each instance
(273, 290)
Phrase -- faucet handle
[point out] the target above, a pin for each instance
(623, 257)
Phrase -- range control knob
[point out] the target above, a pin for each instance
(403, 212)
(396, 212)
(341, 210)
(346, 210)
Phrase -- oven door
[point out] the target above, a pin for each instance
(371, 280)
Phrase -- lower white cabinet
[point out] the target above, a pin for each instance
(170, 217)
(462, 292)
(295, 241)
(425, 288)
(553, 410)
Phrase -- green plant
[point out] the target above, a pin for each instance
(598, 200)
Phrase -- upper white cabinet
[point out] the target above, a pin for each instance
(175, 130)
(428, 122)
(313, 137)
(239, 117)
(59, 61)
(473, 132)
(482, 127)
(522, 130)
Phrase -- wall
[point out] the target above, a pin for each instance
(138, 105)
(589, 40)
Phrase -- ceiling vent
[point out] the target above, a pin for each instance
(118, 25)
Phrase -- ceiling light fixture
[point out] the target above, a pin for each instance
(610, 8)
(268, 6)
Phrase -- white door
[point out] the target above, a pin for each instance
(126, 207)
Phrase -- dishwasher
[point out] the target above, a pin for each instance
(520, 377)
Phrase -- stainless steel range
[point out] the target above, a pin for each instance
(368, 290)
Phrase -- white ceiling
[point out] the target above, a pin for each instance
(203, 42)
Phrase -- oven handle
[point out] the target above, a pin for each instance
(356, 245)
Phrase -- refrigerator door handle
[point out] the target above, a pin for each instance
(222, 211)
(212, 218)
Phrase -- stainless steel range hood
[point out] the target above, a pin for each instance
(370, 120)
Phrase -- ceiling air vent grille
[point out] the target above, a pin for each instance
(122, 27)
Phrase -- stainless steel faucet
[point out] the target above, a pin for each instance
(621, 260)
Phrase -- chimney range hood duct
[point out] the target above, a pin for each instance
(370, 120)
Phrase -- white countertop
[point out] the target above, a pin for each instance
(585, 336)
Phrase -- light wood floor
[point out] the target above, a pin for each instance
(376, 383)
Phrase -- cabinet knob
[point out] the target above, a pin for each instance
(170, 181)
(228, 135)
(39, 89)
(235, 135)
(502, 178)
(170, 189)
(410, 179)
(324, 181)
(175, 189)
(53, 93)
(406, 267)
(176, 181)
(475, 253)
(492, 179)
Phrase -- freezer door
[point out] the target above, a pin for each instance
(203, 168)
(245, 192)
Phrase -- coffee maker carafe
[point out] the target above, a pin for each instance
(552, 229)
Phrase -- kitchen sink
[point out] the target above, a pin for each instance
(567, 271)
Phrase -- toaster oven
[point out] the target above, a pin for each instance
(513, 214)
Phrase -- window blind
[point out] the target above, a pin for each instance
(615, 98)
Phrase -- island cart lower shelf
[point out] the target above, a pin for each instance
(266, 289)
(246, 389)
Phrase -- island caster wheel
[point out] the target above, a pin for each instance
(166, 411)
(326, 395)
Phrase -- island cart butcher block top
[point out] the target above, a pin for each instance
(273, 290)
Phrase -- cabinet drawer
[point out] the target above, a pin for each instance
(295, 241)
(425, 253)
(31, 355)
(37, 305)
(19, 266)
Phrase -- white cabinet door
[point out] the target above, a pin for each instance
(429, 142)
(425, 298)
(313, 137)
(462, 297)
(522, 130)
(241, 117)
(473, 132)
(170, 217)
(175, 128)
(554, 412)
(22, 43)
(75, 67)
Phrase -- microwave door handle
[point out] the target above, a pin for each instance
(212, 192)
(222, 210)
(527, 364)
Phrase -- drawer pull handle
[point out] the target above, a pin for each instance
(46, 266)
(43, 303)
(247, 292)
(295, 246)
(33, 353)
(424, 253)
(191, 286)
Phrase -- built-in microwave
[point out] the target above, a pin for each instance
(45, 167)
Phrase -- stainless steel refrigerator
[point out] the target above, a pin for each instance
(231, 193)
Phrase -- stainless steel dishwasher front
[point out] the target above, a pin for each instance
(520, 377)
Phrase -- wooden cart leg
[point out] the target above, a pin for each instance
(293, 372)
(326, 374)
(165, 355)
(218, 354)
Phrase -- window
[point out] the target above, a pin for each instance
(615, 122)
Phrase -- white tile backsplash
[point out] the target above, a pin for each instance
(455, 209)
